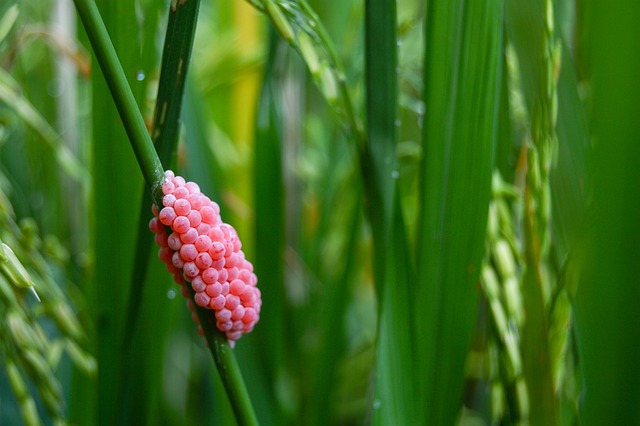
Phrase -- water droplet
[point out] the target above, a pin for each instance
(171, 294)
(399, 42)
(312, 23)
(397, 122)
(376, 404)
(395, 174)
(140, 75)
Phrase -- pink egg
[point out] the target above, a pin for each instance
(237, 313)
(203, 243)
(210, 276)
(190, 236)
(249, 315)
(217, 302)
(232, 273)
(167, 216)
(161, 239)
(214, 290)
(202, 299)
(196, 201)
(195, 218)
(165, 254)
(236, 287)
(182, 207)
(222, 275)
(208, 214)
(192, 187)
(181, 193)
(188, 252)
(223, 315)
(232, 302)
(168, 187)
(203, 229)
(174, 241)
(203, 260)
(155, 225)
(217, 250)
(190, 270)
(198, 285)
(224, 326)
(180, 224)
(168, 200)
(179, 181)
(177, 260)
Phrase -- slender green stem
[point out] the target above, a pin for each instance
(227, 366)
(176, 56)
(153, 173)
(122, 95)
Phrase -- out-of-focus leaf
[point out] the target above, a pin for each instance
(9, 94)
(607, 321)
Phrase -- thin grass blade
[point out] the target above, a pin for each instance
(270, 227)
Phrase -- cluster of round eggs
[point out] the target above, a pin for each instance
(206, 253)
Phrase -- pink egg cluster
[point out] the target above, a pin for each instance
(206, 253)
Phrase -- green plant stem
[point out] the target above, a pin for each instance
(227, 366)
(122, 95)
(154, 174)
(176, 56)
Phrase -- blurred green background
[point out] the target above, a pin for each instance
(439, 199)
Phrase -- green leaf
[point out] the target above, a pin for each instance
(394, 385)
(395, 396)
(463, 64)
(381, 81)
(568, 178)
(607, 323)
(270, 227)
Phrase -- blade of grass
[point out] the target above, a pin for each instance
(607, 323)
(394, 386)
(270, 227)
(381, 81)
(462, 79)
(395, 396)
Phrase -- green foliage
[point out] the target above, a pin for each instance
(437, 198)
